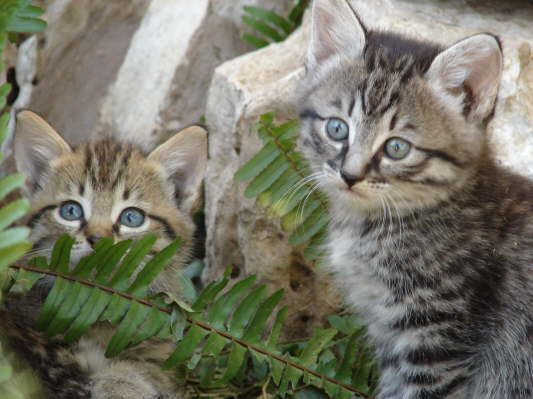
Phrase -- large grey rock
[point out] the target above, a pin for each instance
(239, 231)
(138, 69)
(81, 52)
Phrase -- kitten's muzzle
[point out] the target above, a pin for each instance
(350, 179)
(93, 239)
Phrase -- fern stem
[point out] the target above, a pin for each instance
(191, 320)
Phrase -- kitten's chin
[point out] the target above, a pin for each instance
(78, 252)
(353, 201)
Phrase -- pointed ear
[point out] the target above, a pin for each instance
(335, 30)
(184, 159)
(36, 143)
(470, 72)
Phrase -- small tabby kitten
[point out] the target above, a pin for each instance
(431, 240)
(103, 189)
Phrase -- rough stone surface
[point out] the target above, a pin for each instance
(162, 84)
(240, 233)
(81, 53)
(138, 69)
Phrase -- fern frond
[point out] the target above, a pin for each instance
(297, 12)
(101, 288)
(221, 335)
(20, 16)
(279, 178)
(269, 26)
(15, 16)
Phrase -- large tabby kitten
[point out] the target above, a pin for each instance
(100, 189)
(431, 240)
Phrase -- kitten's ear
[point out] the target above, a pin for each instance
(470, 72)
(36, 144)
(335, 30)
(184, 159)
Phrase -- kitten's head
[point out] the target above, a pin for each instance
(386, 119)
(109, 189)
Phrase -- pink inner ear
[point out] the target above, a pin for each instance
(484, 74)
(336, 30)
(473, 65)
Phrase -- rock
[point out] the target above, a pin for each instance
(138, 70)
(239, 231)
(82, 51)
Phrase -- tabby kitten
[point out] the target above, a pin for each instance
(431, 240)
(100, 189)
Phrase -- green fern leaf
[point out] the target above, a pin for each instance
(210, 292)
(13, 236)
(131, 261)
(4, 91)
(279, 178)
(222, 308)
(256, 326)
(186, 347)
(313, 225)
(123, 336)
(10, 254)
(273, 18)
(221, 342)
(12, 212)
(263, 28)
(153, 268)
(258, 163)
(89, 263)
(272, 26)
(154, 325)
(297, 13)
(246, 310)
(14, 243)
(267, 177)
(254, 41)
(281, 316)
(111, 260)
(88, 315)
(214, 345)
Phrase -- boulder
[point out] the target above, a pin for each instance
(139, 70)
(81, 53)
(240, 233)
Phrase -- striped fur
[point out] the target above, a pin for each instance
(104, 177)
(434, 250)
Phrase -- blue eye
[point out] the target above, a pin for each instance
(71, 210)
(337, 129)
(397, 148)
(132, 217)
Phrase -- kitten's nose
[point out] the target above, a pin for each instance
(93, 238)
(349, 179)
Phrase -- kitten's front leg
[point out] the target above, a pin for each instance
(433, 380)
